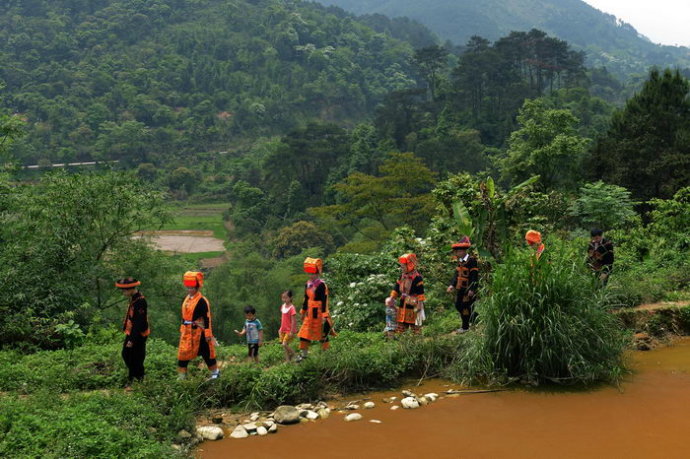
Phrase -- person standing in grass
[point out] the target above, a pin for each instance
(465, 282)
(254, 332)
(288, 324)
(410, 290)
(316, 319)
(136, 329)
(600, 256)
(196, 335)
(533, 239)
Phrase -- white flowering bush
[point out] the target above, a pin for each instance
(359, 305)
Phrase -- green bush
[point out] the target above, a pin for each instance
(545, 320)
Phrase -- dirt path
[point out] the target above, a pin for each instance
(661, 305)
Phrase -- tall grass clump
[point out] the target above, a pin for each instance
(541, 321)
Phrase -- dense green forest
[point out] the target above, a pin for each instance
(320, 134)
(137, 81)
(607, 41)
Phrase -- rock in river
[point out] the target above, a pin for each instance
(286, 414)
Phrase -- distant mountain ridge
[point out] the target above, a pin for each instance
(607, 40)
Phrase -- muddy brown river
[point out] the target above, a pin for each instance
(647, 417)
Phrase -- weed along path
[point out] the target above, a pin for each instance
(647, 417)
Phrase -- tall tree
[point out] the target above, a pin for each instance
(647, 147)
(547, 144)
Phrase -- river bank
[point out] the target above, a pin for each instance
(645, 417)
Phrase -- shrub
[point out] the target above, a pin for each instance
(545, 320)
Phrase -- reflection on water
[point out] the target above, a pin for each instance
(648, 416)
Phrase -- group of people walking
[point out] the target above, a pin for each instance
(404, 308)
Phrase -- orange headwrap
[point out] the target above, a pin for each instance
(533, 237)
(313, 265)
(127, 283)
(409, 260)
(193, 279)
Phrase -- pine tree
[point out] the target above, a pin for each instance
(647, 147)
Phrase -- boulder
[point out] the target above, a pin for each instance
(324, 413)
(423, 401)
(261, 431)
(239, 432)
(431, 396)
(210, 432)
(286, 414)
(254, 417)
(353, 417)
(409, 403)
(273, 428)
(369, 405)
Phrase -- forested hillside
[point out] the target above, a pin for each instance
(608, 42)
(138, 80)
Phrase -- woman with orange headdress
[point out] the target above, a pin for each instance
(533, 239)
(196, 335)
(316, 319)
(409, 288)
(465, 282)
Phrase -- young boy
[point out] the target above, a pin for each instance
(391, 313)
(288, 324)
(254, 331)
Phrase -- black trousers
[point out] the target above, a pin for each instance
(465, 307)
(134, 358)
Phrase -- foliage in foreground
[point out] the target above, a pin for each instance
(91, 418)
(544, 321)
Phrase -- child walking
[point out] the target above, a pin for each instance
(254, 332)
(288, 324)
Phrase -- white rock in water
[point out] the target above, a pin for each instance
(407, 393)
(210, 432)
(375, 421)
(352, 407)
(312, 415)
(409, 403)
(324, 413)
(431, 396)
(268, 424)
(392, 399)
(239, 432)
(262, 431)
(423, 401)
(254, 417)
(273, 428)
(286, 414)
(395, 407)
(250, 427)
(369, 405)
(353, 417)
